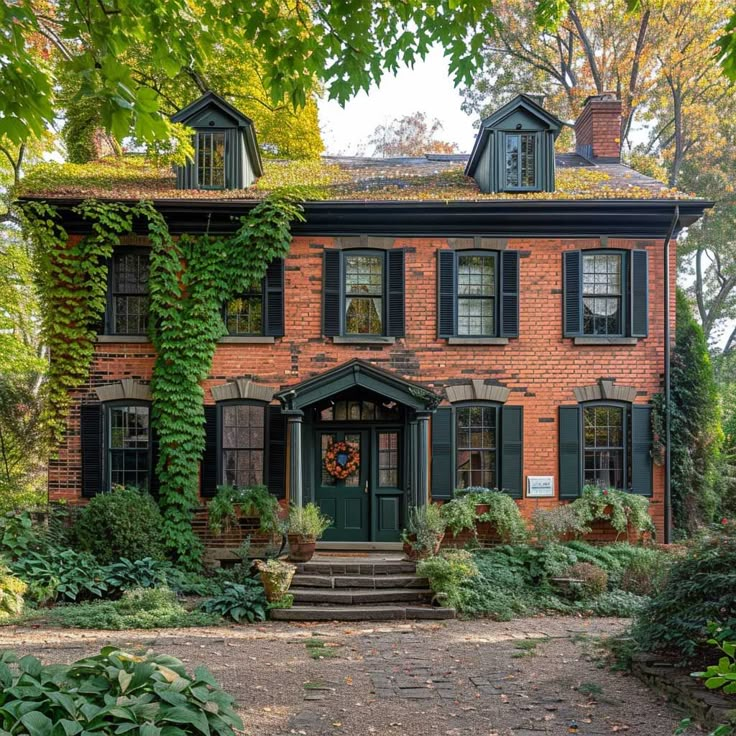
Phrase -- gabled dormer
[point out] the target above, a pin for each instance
(226, 154)
(515, 149)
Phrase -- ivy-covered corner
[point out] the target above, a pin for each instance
(191, 277)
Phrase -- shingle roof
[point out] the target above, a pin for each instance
(423, 178)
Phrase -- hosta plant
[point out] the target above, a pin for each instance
(126, 574)
(721, 676)
(11, 594)
(114, 692)
(240, 602)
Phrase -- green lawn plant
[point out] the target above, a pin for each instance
(113, 692)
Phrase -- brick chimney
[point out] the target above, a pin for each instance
(598, 129)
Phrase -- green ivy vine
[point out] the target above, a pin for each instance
(190, 279)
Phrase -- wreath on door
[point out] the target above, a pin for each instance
(342, 459)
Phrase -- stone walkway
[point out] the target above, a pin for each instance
(456, 678)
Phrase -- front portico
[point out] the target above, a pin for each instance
(385, 418)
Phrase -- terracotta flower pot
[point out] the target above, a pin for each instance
(301, 549)
(421, 554)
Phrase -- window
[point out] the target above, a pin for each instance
(388, 459)
(244, 315)
(364, 294)
(358, 411)
(476, 295)
(128, 307)
(602, 293)
(128, 446)
(520, 161)
(243, 444)
(211, 160)
(476, 446)
(605, 440)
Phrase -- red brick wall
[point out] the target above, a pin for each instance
(540, 367)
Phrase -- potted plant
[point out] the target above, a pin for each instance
(305, 526)
(276, 577)
(425, 531)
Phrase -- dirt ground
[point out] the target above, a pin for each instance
(522, 678)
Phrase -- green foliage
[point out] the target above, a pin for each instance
(230, 503)
(588, 581)
(140, 608)
(240, 602)
(721, 676)
(127, 574)
(123, 523)
(308, 521)
(112, 692)
(695, 417)
(503, 513)
(12, 590)
(426, 525)
(17, 535)
(646, 571)
(621, 509)
(555, 524)
(448, 574)
(459, 514)
(618, 603)
(699, 588)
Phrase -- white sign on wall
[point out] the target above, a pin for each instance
(540, 486)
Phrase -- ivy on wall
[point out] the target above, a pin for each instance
(190, 279)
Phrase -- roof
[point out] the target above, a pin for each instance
(341, 178)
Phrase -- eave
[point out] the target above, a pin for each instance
(618, 218)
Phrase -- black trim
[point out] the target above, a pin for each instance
(617, 218)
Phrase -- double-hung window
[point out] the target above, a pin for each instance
(606, 441)
(520, 165)
(243, 443)
(364, 294)
(476, 446)
(259, 310)
(128, 446)
(603, 303)
(211, 159)
(244, 314)
(476, 295)
(128, 293)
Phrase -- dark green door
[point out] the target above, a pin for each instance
(346, 502)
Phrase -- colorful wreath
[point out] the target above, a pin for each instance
(342, 459)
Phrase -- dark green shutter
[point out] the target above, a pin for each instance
(639, 293)
(395, 322)
(641, 449)
(154, 484)
(443, 460)
(273, 287)
(512, 456)
(571, 465)
(90, 431)
(331, 308)
(209, 473)
(276, 451)
(572, 293)
(446, 293)
(509, 293)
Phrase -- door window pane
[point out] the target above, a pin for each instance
(604, 436)
(353, 481)
(129, 280)
(476, 439)
(128, 436)
(364, 295)
(602, 293)
(243, 443)
(388, 459)
(326, 441)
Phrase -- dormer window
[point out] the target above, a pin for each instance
(515, 149)
(211, 160)
(226, 154)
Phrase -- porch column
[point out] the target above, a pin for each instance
(295, 417)
(422, 449)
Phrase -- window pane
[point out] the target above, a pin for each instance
(528, 167)
(364, 275)
(127, 446)
(388, 459)
(602, 293)
(326, 478)
(363, 316)
(476, 440)
(353, 481)
(244, 316)
(363, 294)
(512, 160)
(520, 160)
(604, 438)
(211, 160)
(243, 442)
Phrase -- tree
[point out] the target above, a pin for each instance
(696, 430)
(410, 135)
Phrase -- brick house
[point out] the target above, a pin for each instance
(496, 320)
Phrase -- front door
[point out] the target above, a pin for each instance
(345, 501)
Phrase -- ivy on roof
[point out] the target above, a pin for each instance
(136, 178)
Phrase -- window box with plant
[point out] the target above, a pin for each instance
(425, 531)
(497, 517)
(306, 525)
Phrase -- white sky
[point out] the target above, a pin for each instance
(427, 88)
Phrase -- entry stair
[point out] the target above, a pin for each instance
(360, 588)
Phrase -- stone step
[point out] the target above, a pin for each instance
(356, 567)
(358, 596)
(361, 613)
(305, 580)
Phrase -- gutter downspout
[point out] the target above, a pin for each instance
(667, 384)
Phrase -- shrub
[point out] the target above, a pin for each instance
(556, 524)
(124, 523)
(17, 535)
(459, 514)
(112, 692)
(618, 603)
(617, 507)
(151, 608)
(645, 572)
(448, 574)
(12, 590)
(699, 588)
(239, 602)
(503, 513)
(588, 580)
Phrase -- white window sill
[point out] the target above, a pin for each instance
(247, 339)
(140, 339)
(606, 340)
(363, 340)
(477, 340)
